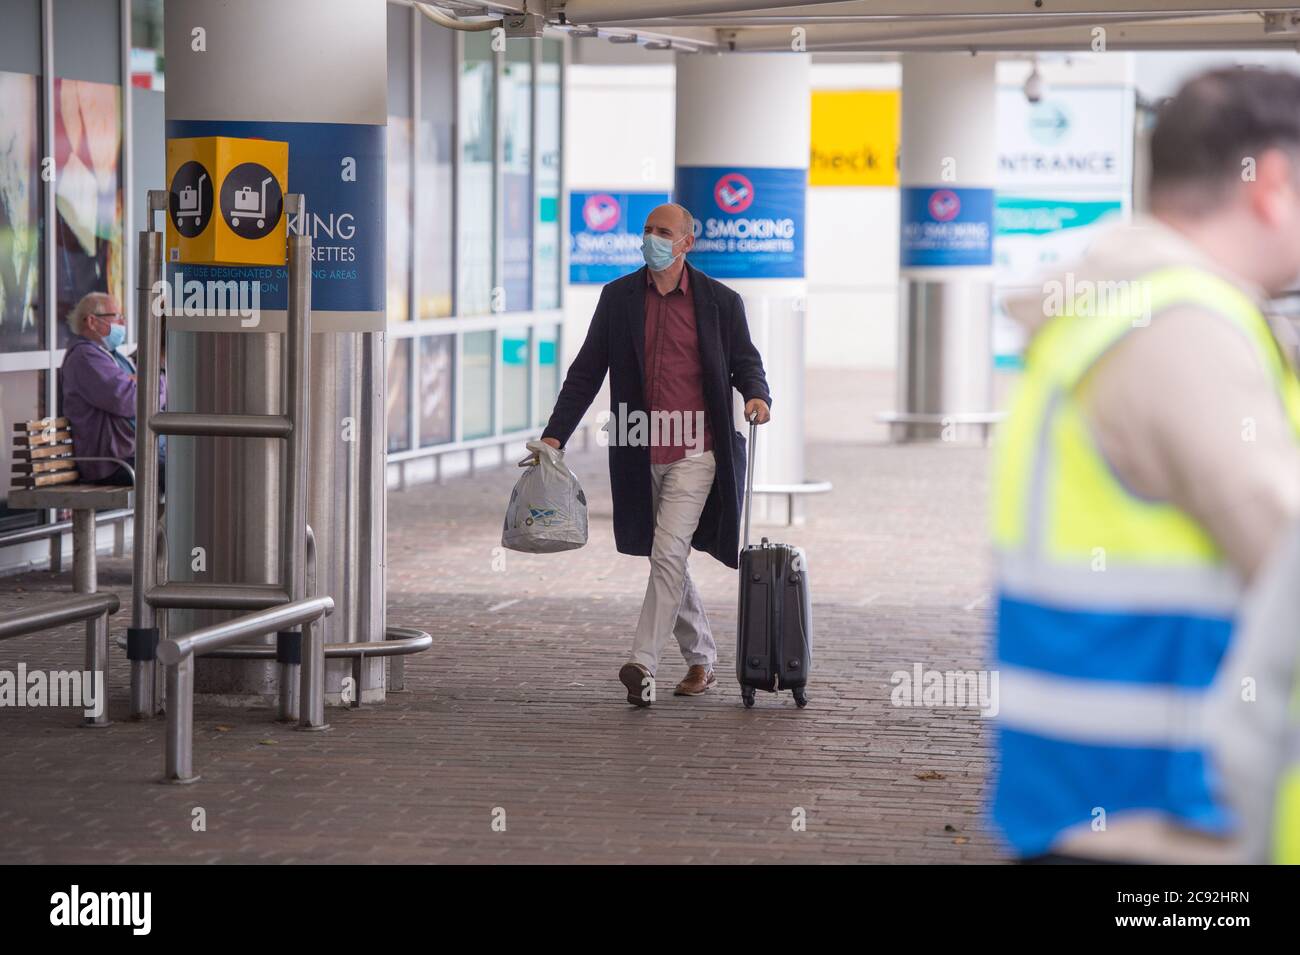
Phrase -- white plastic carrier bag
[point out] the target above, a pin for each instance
(547, 511)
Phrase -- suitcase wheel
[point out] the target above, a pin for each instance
(800, 697)
(747, 694)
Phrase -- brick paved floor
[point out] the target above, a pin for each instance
(517, 707)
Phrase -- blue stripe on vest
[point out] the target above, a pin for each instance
(1168, 649)
(1045, 786)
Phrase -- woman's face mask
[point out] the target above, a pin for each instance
(658, 251)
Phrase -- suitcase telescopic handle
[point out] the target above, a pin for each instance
(749, 475)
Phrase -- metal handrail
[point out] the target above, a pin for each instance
(178, 656)
(398, 641)
(201, 424)
(27, 535)
(258, 624)
(94, 609)
(69, 609)
(197, 595)
(130, 468)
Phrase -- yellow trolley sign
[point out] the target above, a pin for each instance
(226, 201)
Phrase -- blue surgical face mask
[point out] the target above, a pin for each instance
(657, 251)
(116, 335)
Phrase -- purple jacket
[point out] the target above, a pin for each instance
(99, 401)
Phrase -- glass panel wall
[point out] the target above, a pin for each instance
(398, 218)
(22, 398)
(515, 377)
(22, 324)
(398, 185)
(548, 370)
(476, 193)
(478, 381)
(437, 389)
(485, 239)
(517, 178)
(435, 216)
(398, 405)
(546, 228)
(147, 44)
(88, 194)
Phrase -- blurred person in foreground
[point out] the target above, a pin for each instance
(1148, 468)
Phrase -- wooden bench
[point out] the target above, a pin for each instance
(45, 476)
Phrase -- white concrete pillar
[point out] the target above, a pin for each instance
(742, 170)
(948, 167)
(312, 73)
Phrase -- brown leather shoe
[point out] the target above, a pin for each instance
(699, 679)
(634, 677)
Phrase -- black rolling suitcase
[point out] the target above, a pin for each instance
(774, 622)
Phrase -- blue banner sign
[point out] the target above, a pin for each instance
(605, 233)
(340, 169)
(946, 227)
(749, 222)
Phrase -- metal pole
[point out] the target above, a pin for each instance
(311, 675)
(178, 759)
(142, 637)
(290, 677)
(159, 672)
(85, 581)
(84, 575)
(97, 667)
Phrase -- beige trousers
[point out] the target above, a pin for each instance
(672, 604)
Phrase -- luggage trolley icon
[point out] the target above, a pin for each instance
(248, 204)
(189, 203)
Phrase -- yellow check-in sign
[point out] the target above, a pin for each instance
(854, 138)
(226, 201)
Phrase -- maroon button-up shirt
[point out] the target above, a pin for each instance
(674, 376)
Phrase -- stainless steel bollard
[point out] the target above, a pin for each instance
(178, 759)
(299, 548)
(97, 667)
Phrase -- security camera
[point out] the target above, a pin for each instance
(1034, 86)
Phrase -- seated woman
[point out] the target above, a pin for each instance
(99, 390)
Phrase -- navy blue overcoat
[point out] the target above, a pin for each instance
(615, 344)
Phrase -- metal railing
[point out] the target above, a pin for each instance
(291, 608)
(178, 654)
(28, 535)
(143, 634)
(95, 609)
(151, 594)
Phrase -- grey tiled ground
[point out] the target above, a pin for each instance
(517, 707)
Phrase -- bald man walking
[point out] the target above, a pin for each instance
(675, 344)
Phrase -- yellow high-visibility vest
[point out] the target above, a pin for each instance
(1114, 610)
